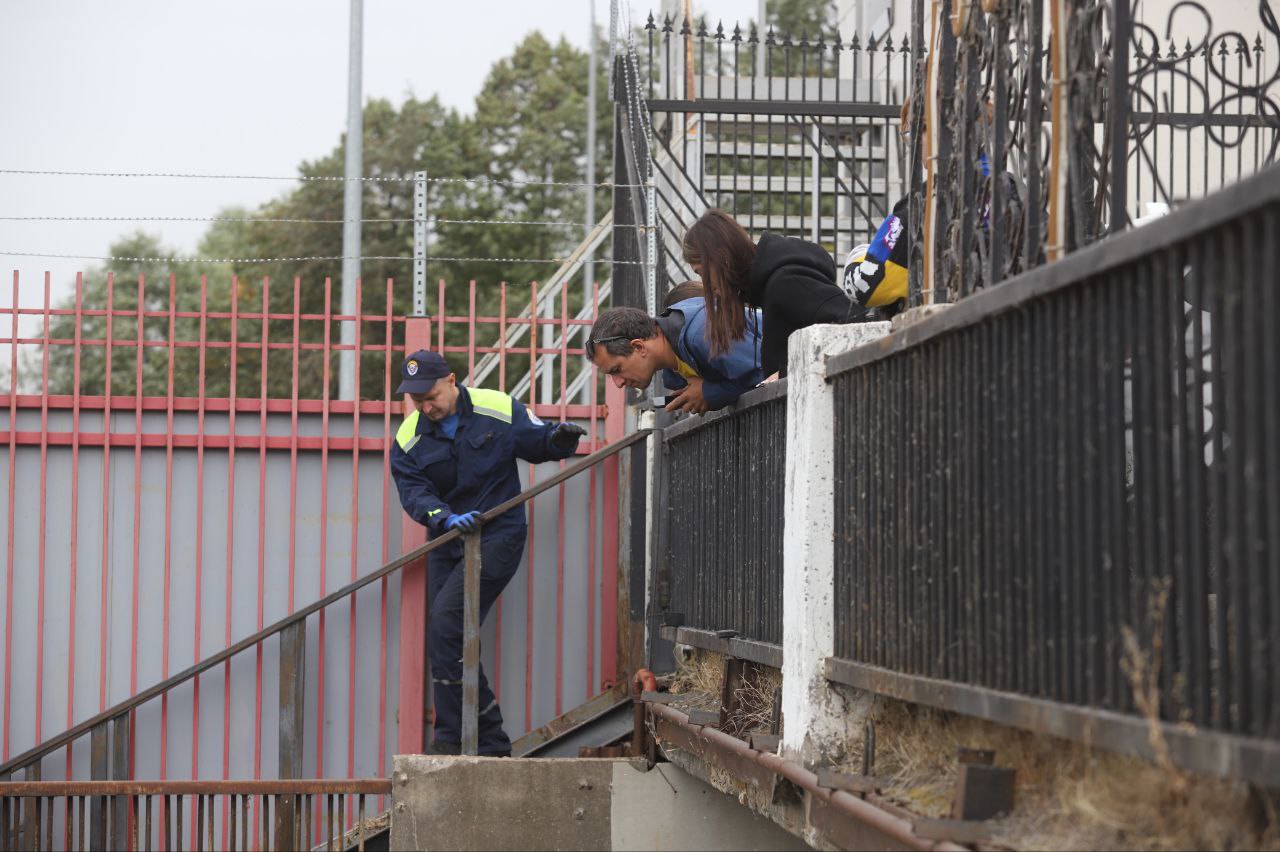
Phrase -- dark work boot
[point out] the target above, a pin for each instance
(442, 748)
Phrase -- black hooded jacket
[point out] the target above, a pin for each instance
(793, 282)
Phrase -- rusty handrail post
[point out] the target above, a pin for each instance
(471, 644)
(293, 649)
(99, 766)
(119, 807)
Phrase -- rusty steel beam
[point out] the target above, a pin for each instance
(271, 787)
(858, 818)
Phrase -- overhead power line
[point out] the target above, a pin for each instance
(234, 260)
(483, 181)
(296, 221)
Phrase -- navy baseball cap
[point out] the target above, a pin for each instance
(420, 371)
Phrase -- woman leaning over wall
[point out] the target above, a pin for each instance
(792, 282)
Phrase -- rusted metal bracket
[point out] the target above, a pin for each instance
(859, 784)
(730, 682)
(706, 718)
(844, 819)
(765, 742)
(983, 792)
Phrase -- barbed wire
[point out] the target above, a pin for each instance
(483, 181)
(235, 260)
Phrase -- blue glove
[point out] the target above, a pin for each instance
(468, 522)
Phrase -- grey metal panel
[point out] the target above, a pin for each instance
(211, 563)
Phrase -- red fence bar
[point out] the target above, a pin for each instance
(231, 526)
(502, 386)
(326, 379)
(385, 541)
(41, 546)
(564, 390)
(531, 559)
(413, 598)
(168, 525)
(264, 353)
(106, 498)
(199, 560)
(13, 457)
(592, 436)
(73, 556)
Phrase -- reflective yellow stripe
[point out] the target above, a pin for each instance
(491, 403)
(407, 434)
(434, 512)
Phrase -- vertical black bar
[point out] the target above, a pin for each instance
(1033, 245)
(1269, 358)
(944, 171)
(1232, 464)
(1165, 325)
(997, 155)
(1121, 28)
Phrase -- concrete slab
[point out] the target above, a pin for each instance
(477, 803)
(667, 808)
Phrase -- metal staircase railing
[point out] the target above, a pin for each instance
(110, 730)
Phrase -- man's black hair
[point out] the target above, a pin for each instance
(615, 328)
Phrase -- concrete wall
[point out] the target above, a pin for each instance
(481, 803)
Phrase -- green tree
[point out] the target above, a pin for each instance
(798, 18)
(120, 285)
(529, 125)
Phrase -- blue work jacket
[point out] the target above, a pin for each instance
(438, 476)
(725, 377)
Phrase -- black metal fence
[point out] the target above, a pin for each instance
(791, 133)
(799, 134)
(1188, 107)
(1069, 490)
(724, 477)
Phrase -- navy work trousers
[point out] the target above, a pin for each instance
(499, 558)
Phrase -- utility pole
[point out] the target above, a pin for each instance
(588, 265)
(352, 213)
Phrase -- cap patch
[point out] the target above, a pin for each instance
(411, 368)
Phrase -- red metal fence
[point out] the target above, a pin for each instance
(180, 474)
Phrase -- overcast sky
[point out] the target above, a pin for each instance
(221, 86)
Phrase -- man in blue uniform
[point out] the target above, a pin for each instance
(455, 458)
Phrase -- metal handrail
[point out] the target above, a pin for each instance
(54, 743)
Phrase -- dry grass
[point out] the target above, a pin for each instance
(1068, 796)
(698, 681)
(753, 700)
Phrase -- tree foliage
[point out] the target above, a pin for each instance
(529, 124)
